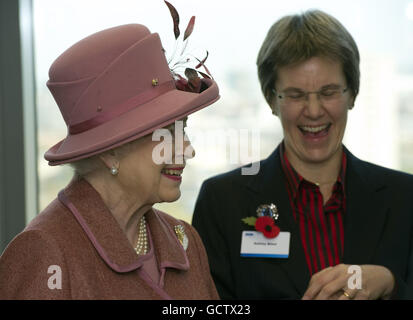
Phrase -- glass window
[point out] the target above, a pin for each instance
(379, 127)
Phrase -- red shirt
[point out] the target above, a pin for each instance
(321, 226)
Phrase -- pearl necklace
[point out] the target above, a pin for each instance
(142, 245)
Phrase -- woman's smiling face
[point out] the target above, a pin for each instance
(313, 127)
(155, 182)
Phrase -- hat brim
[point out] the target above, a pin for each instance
(138, 122)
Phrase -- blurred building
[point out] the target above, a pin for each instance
(405, 111)
(373, 125)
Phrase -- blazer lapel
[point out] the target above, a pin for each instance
(365, 215)
(269, 187)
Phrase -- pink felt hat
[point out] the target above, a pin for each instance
(116, 86)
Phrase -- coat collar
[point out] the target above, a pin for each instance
(365, 213)
(109, 240)
(294, 179)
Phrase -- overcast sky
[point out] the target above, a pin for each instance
(231, 30)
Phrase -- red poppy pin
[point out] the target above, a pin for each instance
(267, 214)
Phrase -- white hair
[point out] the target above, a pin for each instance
(86, 166)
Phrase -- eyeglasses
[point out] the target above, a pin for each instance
(327, 95)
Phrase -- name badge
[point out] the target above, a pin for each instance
(255, 245)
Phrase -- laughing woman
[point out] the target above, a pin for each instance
(316, 208)
(101, 238)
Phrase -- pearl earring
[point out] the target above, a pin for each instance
(114, 171)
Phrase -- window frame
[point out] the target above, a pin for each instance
(18, 135)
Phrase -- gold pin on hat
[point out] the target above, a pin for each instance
(181, 235)
(155, 82)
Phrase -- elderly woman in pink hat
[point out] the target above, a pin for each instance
(101, 238)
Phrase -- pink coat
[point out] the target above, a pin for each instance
(83, 254)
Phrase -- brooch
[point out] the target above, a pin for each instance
(181, 235)
(267, 214)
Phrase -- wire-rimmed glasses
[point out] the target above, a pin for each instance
(327, 95)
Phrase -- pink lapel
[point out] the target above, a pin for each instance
(109, 239)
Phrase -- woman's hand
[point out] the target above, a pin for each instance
(377, 282)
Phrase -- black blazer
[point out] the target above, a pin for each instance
(377, 228)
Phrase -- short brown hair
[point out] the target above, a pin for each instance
(296, 38)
